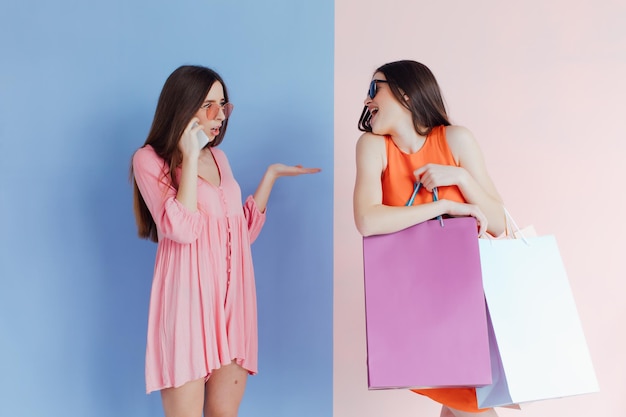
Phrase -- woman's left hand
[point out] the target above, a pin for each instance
(273, 172)
(435, 175)
(282, 170)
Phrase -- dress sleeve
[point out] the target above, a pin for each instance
(255, 218)
(173, 220)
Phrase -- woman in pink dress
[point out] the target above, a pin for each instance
(202, 325)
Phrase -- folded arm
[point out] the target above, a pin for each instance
(371, 216)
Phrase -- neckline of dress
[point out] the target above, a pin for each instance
(405, 153)
(219, 171)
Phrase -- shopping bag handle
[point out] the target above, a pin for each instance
(507, 226)
(416, 187)
(508, 219)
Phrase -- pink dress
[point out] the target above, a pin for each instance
(203, 302)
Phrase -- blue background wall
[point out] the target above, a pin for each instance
(78, 86)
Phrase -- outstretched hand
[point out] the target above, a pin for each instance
(282, 170)
(274, 172)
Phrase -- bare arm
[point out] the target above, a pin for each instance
(188, 187)
(273, 172)
(470, 176)
(173, 219)
(371, 216)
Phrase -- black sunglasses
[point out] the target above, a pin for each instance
(374, 88)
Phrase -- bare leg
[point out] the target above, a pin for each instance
(445, 412)
(224, 391)
(184, 401)
(450, 412)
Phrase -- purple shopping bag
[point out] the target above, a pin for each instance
(425, 310)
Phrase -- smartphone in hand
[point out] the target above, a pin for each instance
(203, 139)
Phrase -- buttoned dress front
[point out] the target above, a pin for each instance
(203, 302)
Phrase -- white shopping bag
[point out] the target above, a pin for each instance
(538, 346)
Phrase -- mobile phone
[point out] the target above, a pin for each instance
(203, 139)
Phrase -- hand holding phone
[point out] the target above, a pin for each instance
(203, 139)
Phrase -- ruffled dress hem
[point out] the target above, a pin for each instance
(238, 361)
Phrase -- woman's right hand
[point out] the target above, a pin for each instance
(463, 209)
(188, 143)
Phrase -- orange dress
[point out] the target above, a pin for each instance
(397, 186)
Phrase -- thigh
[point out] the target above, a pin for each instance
(456, 413)
(184, 401)
(446, 412)
(224, 391)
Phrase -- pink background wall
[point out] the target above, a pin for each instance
(542, 86)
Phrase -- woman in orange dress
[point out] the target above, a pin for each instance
(408, 138)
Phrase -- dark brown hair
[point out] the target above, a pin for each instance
(182, 95)
(425, 100)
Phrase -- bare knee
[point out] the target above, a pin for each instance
(221, 412)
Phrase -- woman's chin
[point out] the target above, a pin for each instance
(377, 131)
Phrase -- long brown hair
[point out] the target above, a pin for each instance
(182, 95)
(425, 100)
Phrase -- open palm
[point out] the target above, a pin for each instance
(282, 170)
